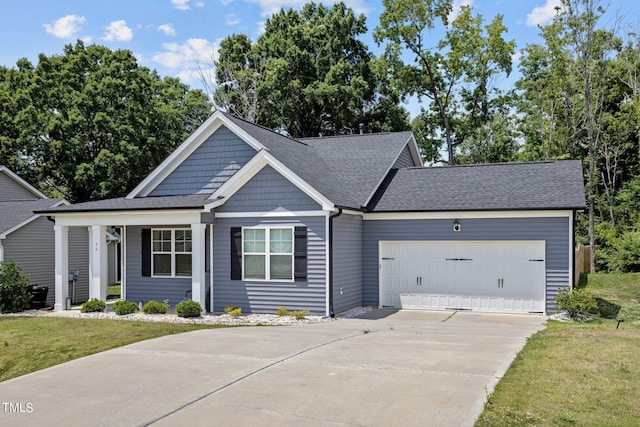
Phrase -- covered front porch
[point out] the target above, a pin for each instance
(176, 253)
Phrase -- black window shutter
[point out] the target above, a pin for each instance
(300, 253)
(146, 252)
(236, 253)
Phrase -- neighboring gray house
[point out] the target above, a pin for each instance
(27, 238)
(242, 215)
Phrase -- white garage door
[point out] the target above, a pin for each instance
(501, 276)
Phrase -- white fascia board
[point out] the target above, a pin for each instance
(212, 124)
(142, 217)
(30, 219)
(272, 214)
(415, 150)
(467, 215)
(22, 182)
(255, 165)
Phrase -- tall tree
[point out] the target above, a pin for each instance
(456, 76)
(91, 123)
(308, 74)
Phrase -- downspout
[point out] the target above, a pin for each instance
(330, 260)
(573, 251)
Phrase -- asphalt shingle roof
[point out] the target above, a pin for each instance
(360, 162)
(196, 201)
(15, 212)
(502, 186)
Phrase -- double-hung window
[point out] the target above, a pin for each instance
(267, 253)
(171, 252)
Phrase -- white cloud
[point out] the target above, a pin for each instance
(199, 4)
(66, 26)
(457, 6)
(181, 4)
(118, 31)
(226, 2)
(270, 7)
(186, 58)
(543, 14)
(167, 29)
(232, 19)
(515, 58)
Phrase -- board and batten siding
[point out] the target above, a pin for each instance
(347, 262)
(146, 288)
(11, 190)
(269, 191)
(32, 248)
(405, 160)
(554, 231)
(208, 167)
(267, 296)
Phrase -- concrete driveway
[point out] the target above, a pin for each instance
(386, 368)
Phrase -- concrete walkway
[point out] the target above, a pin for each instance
(386, 369)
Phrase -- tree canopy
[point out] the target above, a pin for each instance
(91, 123)
(308, 74)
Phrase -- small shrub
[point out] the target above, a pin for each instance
(94, 305)
(576, 301)
(124, 307)
(235, 313)
(155, 307)
(230, 308)
(14, 288)
(299, 314)
(282, 311)
(188, 309)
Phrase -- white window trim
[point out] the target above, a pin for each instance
(172, 253)
(267, 253)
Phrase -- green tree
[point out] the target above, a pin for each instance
(308, 74)
(457, 76)
(91, 123)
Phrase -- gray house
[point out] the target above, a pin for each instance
(27, 238)
(242, 215)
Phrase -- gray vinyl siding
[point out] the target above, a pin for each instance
(347, 262)
(32, 247)
(266, 297)
(11, 190)
(112, 248)
(175, 289)
(554, 231)
(208, 167)
(269, 191)
(404, 160)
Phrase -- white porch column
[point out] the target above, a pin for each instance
(198, 278)
(61, 233)
(98, 262)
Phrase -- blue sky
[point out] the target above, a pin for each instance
(177, 37)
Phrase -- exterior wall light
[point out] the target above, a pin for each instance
(456, 226)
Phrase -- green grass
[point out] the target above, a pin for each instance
(29, 344)
(577, 374)
(113, 291)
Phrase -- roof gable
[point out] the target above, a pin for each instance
(252, 168)
(361, 162)
(15, 188)
(191, 144)
(208, 166)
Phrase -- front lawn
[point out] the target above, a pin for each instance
(577, 373)
(32, 343)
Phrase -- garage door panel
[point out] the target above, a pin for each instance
(505, 276)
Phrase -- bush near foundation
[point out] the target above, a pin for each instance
(14, 288)
(188, 309)
(93, 306)
(124, 307)
(155, 307)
